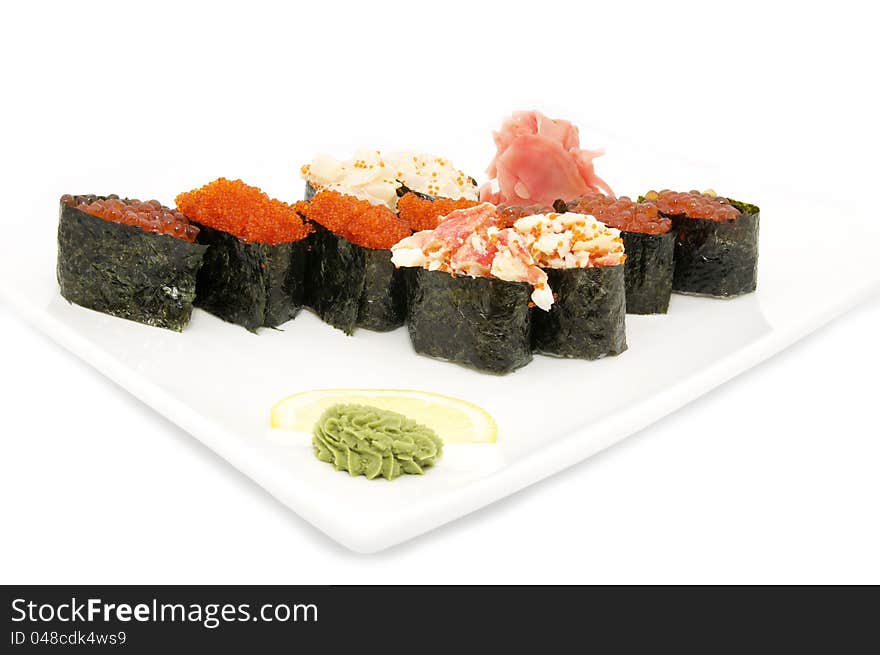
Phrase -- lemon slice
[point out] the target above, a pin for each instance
(454, 420)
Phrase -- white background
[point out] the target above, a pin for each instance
(770, 478)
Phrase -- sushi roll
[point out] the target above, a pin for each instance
(469, 292)
(584, 263)
(131, 259)
(716, 242)
(649, 242)
(350, 280)
(378, 178)
(255, 264)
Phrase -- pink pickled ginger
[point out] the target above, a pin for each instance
(539, 160)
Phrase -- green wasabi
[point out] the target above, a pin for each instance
(368, 441)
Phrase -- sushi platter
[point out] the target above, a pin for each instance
(526, 327)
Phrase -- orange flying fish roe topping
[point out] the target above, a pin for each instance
(622, 213)
(693, 204)
(243, 211)
(423, 214)
(359, 221)
(149, 215)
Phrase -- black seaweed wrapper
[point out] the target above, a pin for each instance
(588, 317)
(717, 258)
(250, 284)
(352, 286)
(125, 271)
(483, 323)
(648, 271)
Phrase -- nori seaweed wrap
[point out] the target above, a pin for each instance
(588, 318)
(479, 322)
(648, 271)
(125, 270)
(716, 254)
(352, 286)
(350, 280)
(250, 284)
(649, 243)
(254, 268)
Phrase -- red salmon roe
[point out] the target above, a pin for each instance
(622, 213)
(693, 204)
(359, 221)
(149, 215)
(423, 214)
(509, 214)
(243, 211)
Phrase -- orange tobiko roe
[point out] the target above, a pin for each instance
(359, 221)
(424, 214)
(243, 211)
(693, 204)
(149, 215)
(622, 213)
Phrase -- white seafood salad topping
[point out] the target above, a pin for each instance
(570, 241)
(375, 177)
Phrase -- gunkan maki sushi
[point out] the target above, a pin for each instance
(584, 263)
(255, 263)
(716, 242)
(649, 242)
(127, 258)
(469, 291)
(350, 281)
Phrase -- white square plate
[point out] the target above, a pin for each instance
(218, 381)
